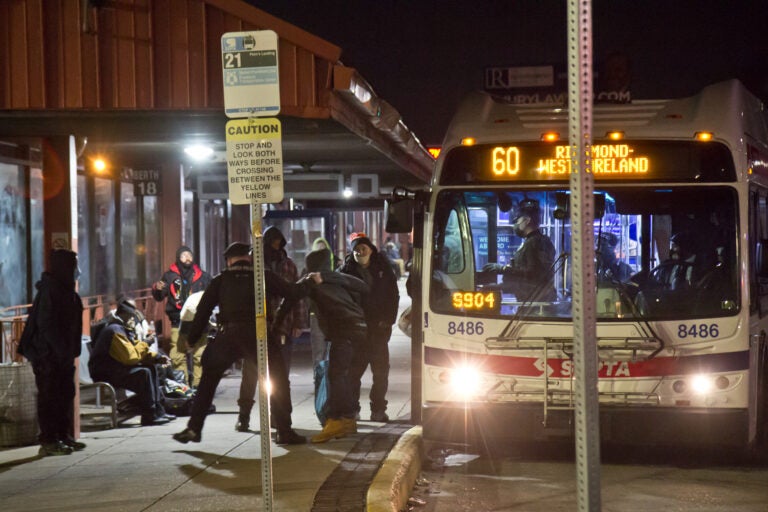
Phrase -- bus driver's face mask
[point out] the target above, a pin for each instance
(520, 224)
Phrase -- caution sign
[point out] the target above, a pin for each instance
(255, 160)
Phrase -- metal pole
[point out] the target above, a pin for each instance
(416, 312)
(261, 350)
(587, 426)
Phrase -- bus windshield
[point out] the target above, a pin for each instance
(660, 253)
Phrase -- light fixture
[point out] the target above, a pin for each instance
(347, 192)
(550, 136)
(199, 152)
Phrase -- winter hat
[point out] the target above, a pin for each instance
(360, 238)
(64, 265)
(319, 261)
(184, 249)
(237, 249)
(124, 307)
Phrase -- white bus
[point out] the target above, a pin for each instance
(681, 231)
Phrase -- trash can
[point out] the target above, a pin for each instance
(18, 405)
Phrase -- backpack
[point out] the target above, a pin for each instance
(27, 342)
(98, 327)
(177, 398)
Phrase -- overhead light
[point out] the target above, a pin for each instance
(199, 152)
(550, 136)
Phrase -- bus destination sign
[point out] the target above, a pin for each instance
(621, 161)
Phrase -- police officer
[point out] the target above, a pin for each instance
(529, 274)
(233, 291)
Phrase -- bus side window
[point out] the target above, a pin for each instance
(451, 255)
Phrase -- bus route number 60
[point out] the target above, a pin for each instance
(506, 160)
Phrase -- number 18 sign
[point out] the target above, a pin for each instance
(251, 78)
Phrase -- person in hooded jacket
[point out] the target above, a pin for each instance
(233, 291)
(276, 260)
(53, 343)
(183, 278)
(317, 339)
(124, 361)
(336, 299)
(380, 306)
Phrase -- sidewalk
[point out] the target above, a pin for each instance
(134, 468)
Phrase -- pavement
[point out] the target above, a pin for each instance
(133, 468)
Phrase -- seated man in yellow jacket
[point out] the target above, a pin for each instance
(123, 361)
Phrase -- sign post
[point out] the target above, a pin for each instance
(255, 177)
(585, 357)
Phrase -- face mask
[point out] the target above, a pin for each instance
(360, 259)
(518, 227)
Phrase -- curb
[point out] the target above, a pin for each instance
(391, 487)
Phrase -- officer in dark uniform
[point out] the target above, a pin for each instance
(233, 291)
(529, 274)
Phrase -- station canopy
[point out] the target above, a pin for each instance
(137, 85)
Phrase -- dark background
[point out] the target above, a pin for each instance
(423, 56)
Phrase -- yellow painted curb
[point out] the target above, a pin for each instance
(391, 487)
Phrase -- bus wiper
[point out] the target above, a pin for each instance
(510, 331)
(644, 326)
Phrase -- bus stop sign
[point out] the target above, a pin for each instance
(251, 79)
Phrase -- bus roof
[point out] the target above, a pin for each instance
(726, 108)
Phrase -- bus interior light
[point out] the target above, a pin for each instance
(550, 136)
(704, 136)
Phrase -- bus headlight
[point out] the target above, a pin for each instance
(464, 381)
(701, 384)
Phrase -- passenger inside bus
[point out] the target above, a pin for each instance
(529, 274)
(609, 267)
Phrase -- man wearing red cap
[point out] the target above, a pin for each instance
(380, 306)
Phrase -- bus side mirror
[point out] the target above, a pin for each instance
(398, 215)
(761, 259)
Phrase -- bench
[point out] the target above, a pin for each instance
(119, 400)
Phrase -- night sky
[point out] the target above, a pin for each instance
(423, 56)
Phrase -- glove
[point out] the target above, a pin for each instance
(493, 267)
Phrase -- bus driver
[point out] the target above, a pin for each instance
(529, 274)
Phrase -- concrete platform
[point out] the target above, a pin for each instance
(134, 468)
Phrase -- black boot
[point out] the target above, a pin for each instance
(244, 417)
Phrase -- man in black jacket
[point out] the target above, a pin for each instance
(380, 306)
(51, 343)
(233, 291)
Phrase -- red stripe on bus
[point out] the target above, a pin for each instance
(534, 367)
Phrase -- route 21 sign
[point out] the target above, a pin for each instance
(250, 72)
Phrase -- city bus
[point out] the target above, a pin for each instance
(680, 209)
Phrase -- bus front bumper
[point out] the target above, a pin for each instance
(477, 424)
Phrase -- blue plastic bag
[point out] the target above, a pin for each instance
(322, 391)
